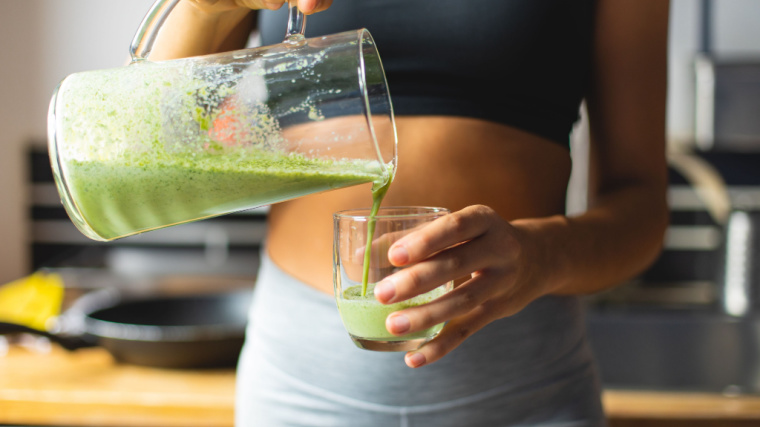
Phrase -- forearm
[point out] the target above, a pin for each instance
(622, 232)
(190, 31)
(613, 241)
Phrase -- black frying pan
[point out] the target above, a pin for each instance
(199, 331)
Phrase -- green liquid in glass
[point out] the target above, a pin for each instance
(364, 317)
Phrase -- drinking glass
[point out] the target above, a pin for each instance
(154, 144)
(362, 315)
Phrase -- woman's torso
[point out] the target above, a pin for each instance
(473, 128)
(484, 96)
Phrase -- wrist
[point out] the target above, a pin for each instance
(545, 252)
(191, 31)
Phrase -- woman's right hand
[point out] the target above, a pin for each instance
(213, 7)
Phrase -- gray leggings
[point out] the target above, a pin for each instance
(300, 368)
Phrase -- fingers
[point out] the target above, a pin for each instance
(453, 334)
(380, 246)
(306, 6)
(261, 4)
(273, 4)
(453, 263)
(446, 231)
(313, 6)
(453, 304)
(473, 241)
(379, 249)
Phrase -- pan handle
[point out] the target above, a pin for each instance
(69, 343)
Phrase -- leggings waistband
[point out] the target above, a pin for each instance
(544, 341)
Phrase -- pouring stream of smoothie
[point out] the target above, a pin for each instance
(378, 193)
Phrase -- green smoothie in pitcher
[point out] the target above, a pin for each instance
(128, 196)
(154, 145)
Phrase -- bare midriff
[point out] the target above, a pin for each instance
(443, 161)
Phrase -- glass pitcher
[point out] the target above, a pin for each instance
(155, 144)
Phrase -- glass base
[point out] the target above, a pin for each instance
(379, 345)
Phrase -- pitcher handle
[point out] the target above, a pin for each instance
(143, 41)
(296, 24)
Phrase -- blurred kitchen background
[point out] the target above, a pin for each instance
(690, 322)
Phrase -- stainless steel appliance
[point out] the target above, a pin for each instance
(727, 103)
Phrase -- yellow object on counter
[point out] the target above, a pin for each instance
(32, 301)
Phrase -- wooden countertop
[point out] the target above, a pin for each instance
(86, 388)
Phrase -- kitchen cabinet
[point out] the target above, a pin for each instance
(87, 388)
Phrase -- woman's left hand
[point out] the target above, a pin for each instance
(505, 273)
